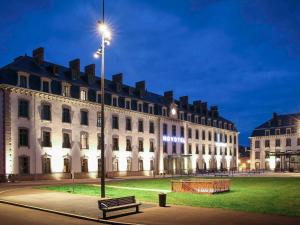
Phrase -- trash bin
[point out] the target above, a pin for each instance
(162, 199)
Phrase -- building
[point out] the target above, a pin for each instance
(275, 144)
(244, 158)
(50, 124)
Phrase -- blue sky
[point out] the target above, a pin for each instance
(243, 56)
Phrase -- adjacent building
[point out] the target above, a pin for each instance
(275, 144)
(50, 125)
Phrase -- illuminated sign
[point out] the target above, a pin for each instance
(173, 139)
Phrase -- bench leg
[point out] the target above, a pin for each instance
(104, 215)
(137, 209)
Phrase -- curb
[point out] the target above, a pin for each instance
(66, 214)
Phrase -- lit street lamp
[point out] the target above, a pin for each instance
(105, 40)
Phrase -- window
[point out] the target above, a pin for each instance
(267, 154)
(197, 134)
(151, 109)
(98, 119)
(67, 165)
(46, 165)
(23, 108)
(151, 164)
(115, 101)
(208, 122)
(83, 95)
(215, 137)
(84, 166)
(197, 149)
(129, 164)
(189, 117)
(173, 130)
(277, 132)
(45, 86)
(182, 115)
(182, 148)
(164, 112)
(174, 148)
(46, 139)
(288, 142)
(140, 126)
(24, 165)
(225, 151)
(127, 104)
(190, 133)
(221, 137)
(203, 135)
(230, 151)
(115, 165)
(267, 143)
(215, 123)
(209, 150)
(267, 132)
(225, 125)
(203, 120)
(165, 129)
(165, 147)
(257, 144)
(84, 117)
(298, 141)
(196, 119)
(84, 141)
(140, 107)
(46, 112)
(66, 140)
(209, 135)
(128, 144)
(151, 146)
(181, 131)
(115, 122)
(141, 165)
(66, 117)
(151, 127)
(288, 130)
(225, 137)
(98, 142)
(128, 124)
(66, 90)
(234, 140)
(221, 151)
(23, 137)
(215, 152)
(190, 149)
(220, 124)
(115, 143)
(23, 81)
(257, 155)
(203, 149)
(277, 143)
(141, 145)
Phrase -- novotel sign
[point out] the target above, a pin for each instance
(173, 139)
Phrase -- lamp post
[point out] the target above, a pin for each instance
(105, 40)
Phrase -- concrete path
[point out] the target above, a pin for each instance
(139, 189)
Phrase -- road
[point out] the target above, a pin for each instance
(14, 215)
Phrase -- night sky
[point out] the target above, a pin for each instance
(243, 56)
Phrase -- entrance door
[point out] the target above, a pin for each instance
(24, 165)
(257, 165)
(67, 166)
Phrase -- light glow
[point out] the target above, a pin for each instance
(173, 139)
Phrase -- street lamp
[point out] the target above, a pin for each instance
(105, 40)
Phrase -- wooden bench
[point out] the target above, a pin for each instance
(114, 204)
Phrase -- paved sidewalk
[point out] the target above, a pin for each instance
(150, 215)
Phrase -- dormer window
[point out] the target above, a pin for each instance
(229, 126)
(115, 101)
(182, 115)
(225, 125)
(66, 90)
(209, 122)
(23, 81)
(164, 111)
(277, 132)
(215, 123)
(140, 107)
(46, 86)
(189, 117)
(267, 132)
(288, 130)
(127, 104)
(151, 111)
(203, 120)
(196, 119)
(220, 124)
(83, 94)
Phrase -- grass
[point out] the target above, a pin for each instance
(279, 196)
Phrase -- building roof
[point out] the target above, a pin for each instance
(277, 121)
(28, 64)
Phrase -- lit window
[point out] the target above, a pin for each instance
(66, 90)
(83, 95)
(23, 81)
(84, 141)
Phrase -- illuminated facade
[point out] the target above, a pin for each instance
(275, 144)
(50, 118)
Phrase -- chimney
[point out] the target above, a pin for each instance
(214, 111)
(118, 81)
(89, 72)
(184, 102)
(204, 108)
(38, 55)
(197, 106)
(140, 87)
(74, 66)
(274, 117)
(169, 96)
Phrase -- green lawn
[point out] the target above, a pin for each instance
(254, 194)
